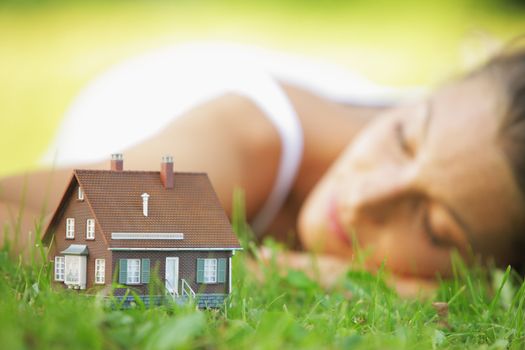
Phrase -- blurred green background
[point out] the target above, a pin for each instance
(50, 49)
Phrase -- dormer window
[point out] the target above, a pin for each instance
(80, 194)
(70, 228)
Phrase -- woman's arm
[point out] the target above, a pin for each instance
(20, 224)
(229, 138)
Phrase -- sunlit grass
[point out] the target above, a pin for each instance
(284, 310)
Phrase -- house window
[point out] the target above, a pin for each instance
(80, 194)
(73, 269)
(90, 229)
(133, 271)
(60, 267)
(100, 271)
(70, 228)
(210, 270)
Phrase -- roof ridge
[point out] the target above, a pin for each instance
(139, 171)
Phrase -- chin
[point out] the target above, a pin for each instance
(311, 225)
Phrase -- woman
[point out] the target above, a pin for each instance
(411, 182)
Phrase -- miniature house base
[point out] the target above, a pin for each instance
(203, 301)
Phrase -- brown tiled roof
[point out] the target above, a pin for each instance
(191, 208)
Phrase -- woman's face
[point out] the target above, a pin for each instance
(420, 181)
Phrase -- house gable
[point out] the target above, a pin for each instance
(77, 214)
(71, 196)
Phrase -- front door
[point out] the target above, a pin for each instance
(172, 276)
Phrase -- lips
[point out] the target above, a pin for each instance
(335, 225)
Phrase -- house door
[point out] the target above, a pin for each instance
(172, 276)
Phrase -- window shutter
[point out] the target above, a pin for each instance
(123, 271)
(145, 271)
(221, 271)
(200, 270)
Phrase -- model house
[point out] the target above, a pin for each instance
(124, 225)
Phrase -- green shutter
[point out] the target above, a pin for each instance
(200, 270)
(123, 271)
(221, 271)
(145, 271)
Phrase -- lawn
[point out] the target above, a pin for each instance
(486, 309)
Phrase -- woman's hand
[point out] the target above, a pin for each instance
(329, 270)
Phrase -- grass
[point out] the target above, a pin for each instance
(286, 311)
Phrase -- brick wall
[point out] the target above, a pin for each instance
(80, 211)
(187, 268)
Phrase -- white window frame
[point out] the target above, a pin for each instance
(75, 271)
(80, 194)
(133, 277)
(100, 271)
(70, 228)
(210, 270)
(90, 229)
(60, 268)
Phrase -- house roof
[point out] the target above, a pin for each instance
(191, 208)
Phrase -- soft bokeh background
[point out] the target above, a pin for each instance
(50, 48)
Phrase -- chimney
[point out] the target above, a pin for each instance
(145, 198)
(117, 162)
(166, 172)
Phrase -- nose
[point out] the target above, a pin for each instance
(379, 193)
